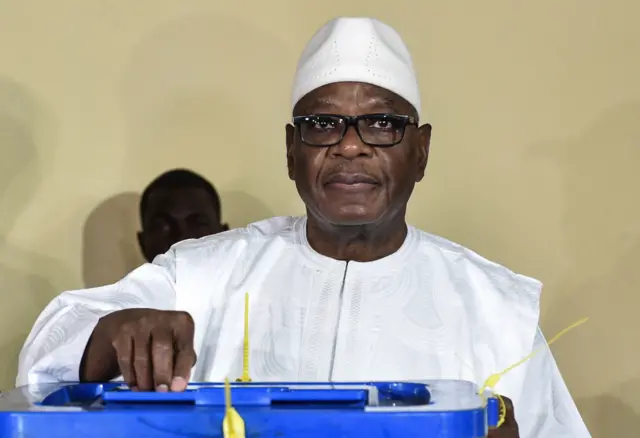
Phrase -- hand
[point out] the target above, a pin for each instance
(153, 348)
(508, 429)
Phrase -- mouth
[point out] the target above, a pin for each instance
(351, 181)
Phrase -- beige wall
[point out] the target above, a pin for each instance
(536, 114)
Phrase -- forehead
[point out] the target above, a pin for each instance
(166, 200)
(352, 98)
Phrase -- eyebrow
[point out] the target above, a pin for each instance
(389, 103)
(327, 102)
(322, 102)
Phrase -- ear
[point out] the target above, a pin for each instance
(225, 227)
(290, 135)
(424, 141)
(143, 249)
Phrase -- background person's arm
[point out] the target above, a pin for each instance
(55, 347)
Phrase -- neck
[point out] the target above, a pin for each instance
(358, 243)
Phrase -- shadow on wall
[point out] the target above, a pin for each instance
(177, 95)
(110, 246)
(611, 416)
(28, 279)
(602, 241)
(182, 90)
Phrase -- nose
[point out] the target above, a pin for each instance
(182, 231)
(351, 146)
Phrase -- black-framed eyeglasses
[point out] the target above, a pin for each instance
(379, 130)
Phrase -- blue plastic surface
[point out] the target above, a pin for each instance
(434, 409)
(245, 396)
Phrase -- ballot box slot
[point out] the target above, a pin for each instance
(242, 396)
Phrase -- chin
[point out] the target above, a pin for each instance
(351, 218)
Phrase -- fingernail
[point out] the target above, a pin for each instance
(178, 384)
(162, 388)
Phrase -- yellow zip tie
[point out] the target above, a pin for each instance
(494, 379)
(232, 424)
(245, 347)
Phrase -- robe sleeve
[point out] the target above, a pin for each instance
(546, 407)
(54, 348)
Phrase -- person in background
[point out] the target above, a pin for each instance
(348, 292)
(176, 206)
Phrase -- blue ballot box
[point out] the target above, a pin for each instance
(434, 409)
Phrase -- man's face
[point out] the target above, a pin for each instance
(175, 215)
(353, 183)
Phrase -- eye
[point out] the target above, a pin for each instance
(158, 226)
(200, 221)
(384, 124)
(322, 123)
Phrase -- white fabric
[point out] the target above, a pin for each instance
(356, 50)
(432, 310)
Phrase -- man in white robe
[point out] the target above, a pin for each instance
(349, 292)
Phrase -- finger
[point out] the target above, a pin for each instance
(508, 429)
(503, 432)
(162, 359)
(185, 355)
(142, 360)
(123, 346)
(510, 418)
(185, 358)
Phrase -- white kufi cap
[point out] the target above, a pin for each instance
(357, 50)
